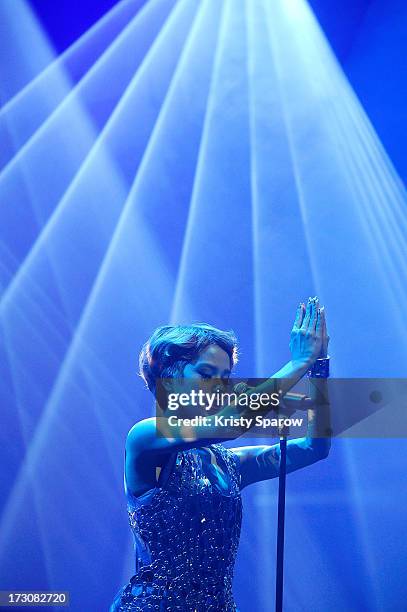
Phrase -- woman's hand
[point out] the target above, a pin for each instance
(325, 336)
(309, 338)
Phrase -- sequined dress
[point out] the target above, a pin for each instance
(186, 534)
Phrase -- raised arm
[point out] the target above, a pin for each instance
(305, 346)
(143, 438)
(262, 462)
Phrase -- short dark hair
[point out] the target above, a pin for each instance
(171, 347)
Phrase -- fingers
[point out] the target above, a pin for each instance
(308, 314)
(322, 324)
(325, 335)
(320, 327)
(314, 314)
(299, 316)
(311, 318)
(305, 321)
(322, 332)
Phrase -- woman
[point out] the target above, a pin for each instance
(183, 492)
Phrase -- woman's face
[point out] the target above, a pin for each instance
(212, 363)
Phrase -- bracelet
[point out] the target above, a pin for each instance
(320, 369)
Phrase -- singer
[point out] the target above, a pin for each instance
(183, 495)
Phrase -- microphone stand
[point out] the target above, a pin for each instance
(303, 400)
(281, 522)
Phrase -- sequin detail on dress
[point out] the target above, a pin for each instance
(186, 540)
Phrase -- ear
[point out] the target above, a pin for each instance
(167, 383)
(172, 385)
(164, 386)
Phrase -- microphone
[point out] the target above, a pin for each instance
(298, 401)
(240, 387)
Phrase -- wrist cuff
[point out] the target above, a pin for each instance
(320, 369)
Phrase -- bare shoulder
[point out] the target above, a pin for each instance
(141, 435)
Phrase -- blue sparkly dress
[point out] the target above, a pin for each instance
(186, 534)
